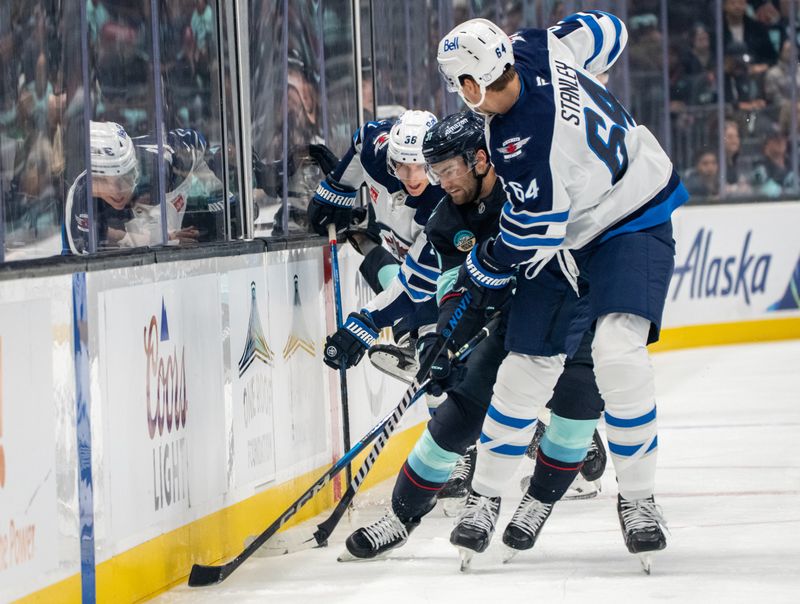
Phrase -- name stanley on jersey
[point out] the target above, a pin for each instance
(569, 95)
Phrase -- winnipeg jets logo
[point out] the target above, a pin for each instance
(513, 147)
(517, 37)
(381, 142)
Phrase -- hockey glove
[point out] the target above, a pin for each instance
(349, 343)
(446, 373)
(332, 203)
(323, 157)
(489, 282)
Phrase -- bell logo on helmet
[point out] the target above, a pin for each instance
(448, 45)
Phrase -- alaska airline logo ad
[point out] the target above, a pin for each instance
(167, 412)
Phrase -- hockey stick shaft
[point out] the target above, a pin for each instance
(202, 574)
(337, 300)
(326, 528)
(210, 574)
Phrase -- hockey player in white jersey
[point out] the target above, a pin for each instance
(590, 196)
(386, 156)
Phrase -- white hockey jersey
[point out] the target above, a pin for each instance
(573, 162)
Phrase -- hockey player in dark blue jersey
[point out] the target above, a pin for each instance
(590, 195)
(458, 159)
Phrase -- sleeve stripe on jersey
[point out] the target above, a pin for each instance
(526, 218)
(612, 56)
(530, 242)
(414, 294)
(597, 32)
(425, 272)
(515, 229)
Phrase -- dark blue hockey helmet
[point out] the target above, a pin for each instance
(458, 135)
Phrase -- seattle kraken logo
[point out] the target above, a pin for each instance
(255, 346)
(298, 334)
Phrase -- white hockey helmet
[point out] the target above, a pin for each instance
(476, 48)
(405, 139)
(112, 150)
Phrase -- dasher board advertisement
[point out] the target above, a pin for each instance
(734, 263)
(28, 506)
(164, 412)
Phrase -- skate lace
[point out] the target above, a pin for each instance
(642, 514)
(387, 528)
(480, 512)
(531, 514)
(463, 465)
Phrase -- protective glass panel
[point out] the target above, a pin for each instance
(267, 107)
(40, 90)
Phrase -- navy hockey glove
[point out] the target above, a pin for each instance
(446, 373)
(489, 282)
(349, 343)
(323, 157)
(332, 203)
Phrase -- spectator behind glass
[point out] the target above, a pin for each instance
(703, 179)
(738, 27)
(202, 29)
(700, 82)
(772, 175)
(736, 180)
(742, 91)
(778, 81)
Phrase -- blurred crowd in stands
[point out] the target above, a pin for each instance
(725, 110)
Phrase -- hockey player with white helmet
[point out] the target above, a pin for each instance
(590, 195)
(124, 213)
(386, 156)
(458, 158)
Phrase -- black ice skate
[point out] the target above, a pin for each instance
(376, 539)
(454, 492)
(475, 526)
(641, 522)
(537, 438)
(526, 525)
(594, 464)
(398, 360)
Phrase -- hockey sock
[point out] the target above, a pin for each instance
(560, 456)
(524, 384)
(422, 476)
(625, 379)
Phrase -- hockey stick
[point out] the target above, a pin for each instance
(202, 574)
(337, 300)
(325, 528)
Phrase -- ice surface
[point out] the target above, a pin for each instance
(728, 481)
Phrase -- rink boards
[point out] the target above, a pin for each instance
(197, 392)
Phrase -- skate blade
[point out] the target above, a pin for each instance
(465, 556)
(646, 560)
(382, 365)
(509, 554)
(452, 506)
(346, 556)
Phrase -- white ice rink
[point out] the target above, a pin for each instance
(728, 482)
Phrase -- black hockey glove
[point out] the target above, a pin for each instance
(332, 203)
(348, 344)
(323, 157)
(489, 282)
(446, 373)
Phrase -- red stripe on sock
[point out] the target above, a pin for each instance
(416, 484)
(539, 458)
